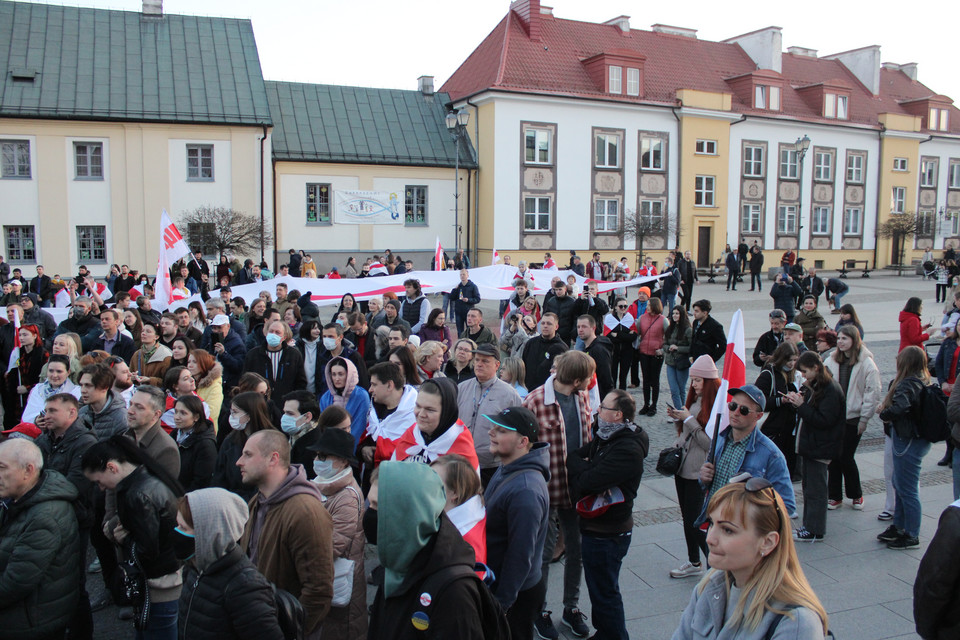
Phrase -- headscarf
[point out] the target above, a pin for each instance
(449, 412)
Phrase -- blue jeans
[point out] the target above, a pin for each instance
(907, 456)
(838, 296)
(602, 558)
(162, 624)
(668, 300)
(677, 379)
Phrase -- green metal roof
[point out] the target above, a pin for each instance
(95, 64)
(329, 123)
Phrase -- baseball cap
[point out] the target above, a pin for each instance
(754, 393)
(15, 283)
(220, 320)
(23, 430)
(792, 326)
(487, 349)
(519, 419)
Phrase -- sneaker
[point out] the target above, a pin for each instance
(834, 504)
(686, 570)
(574, 619)
(802, 535)
(794, 515)
(858, 504)
(545, 628)
(884, 515)
(94, 567)
(889, 534)
(904, 541)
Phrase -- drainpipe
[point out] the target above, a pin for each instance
(263, 193)
(679, 175)
(876, 222)
(476, 193)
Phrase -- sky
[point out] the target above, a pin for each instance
(390, 43)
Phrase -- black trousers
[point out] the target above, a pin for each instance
(687, 288)
(524, 611)
(690, 497)
(620, 363)
(732, 279)
(651, 365)
(106, 550)
(844, 471)
(634, 368)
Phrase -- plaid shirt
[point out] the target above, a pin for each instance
(728, 464)
(543, 403)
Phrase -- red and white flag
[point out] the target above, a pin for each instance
(610, 323)
(496, 258)
(61, 299)
(550, 264)
(103, 291)
(14, 361)
(172, 248)
(438, 257)
(136, 292)
(378, 269)
(734, 375)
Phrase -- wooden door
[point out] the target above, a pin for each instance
(703, 247)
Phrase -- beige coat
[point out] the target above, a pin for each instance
(696, 447)
(863, 392)
(344, 502)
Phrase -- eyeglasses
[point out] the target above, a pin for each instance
(609, 408)
(744, 409)
(758, 485)
(621, 306)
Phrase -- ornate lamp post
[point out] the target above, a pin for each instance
(801, 146)
(456, 123)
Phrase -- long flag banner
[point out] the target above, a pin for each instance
(172, 248)
(734, 376)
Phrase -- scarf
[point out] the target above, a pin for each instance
(606, 430)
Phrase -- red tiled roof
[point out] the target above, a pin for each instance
(509, 60)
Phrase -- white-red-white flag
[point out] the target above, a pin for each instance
(496, 258)
(61, 299)
(734, 375)
(438, 257)
(550, 264)
(611, 322)
(14, 361)
(379, 269)
(172, 244)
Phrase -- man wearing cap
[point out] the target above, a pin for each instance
(770, 340)
(793, 333)
(518, 505)
(228, 349)
(742, 448)
(33, 314)
(480, 396)
(23, 430)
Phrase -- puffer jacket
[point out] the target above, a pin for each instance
(863, 390)
(110, 421)
(40, 560)
(810, 322)
(822, 421)
(899, 415)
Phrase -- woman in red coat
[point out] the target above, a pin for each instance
(912, 330)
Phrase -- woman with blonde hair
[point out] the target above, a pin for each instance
(429, 357)
(460, 366)
(756, 587)
(67, 344)
(513, 372)
(464, 503)
(208, 374)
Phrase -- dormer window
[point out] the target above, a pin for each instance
(607, 70)
(766, 97)
(835, 106)
(633, 81)
(939, 119)
(616, 79)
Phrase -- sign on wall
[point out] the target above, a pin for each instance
(367, 207)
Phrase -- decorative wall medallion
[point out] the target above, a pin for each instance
(653, 184)
(924, 243)
(608, 182)
(753, 188)
(928, 197)
(786, 243)
(953, 198)
(823, 193)
(822, 242)
(854, 195)
(607, 242)
(851, 244)
(536, 242)
(539, 179)
(789, 191)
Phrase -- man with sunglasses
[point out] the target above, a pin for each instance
(743, 448)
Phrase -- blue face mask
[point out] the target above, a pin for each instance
(289, 425)
(323, 468)
(273, 340)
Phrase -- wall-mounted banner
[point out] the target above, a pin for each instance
(368, 207)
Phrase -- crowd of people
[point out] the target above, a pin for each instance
(224, 464)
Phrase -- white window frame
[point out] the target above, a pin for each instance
(928, 172)
(760, 96)
(852, 221)
(88, 160)
(705, 191)
(416, 203)
(843, 103)
(751, 215)
(633, 81)
(855, 169)
(605, 212)
(823, 166)
(23, 248)
(615, 79)
(898, 200)
(15, 160)
(954, 223)
(539, 204)
(836, 106)
(651, 153)
(926, 224)
(944, 120)
(820, 221)
(319, 195)
(92, 244)
(953, 176)
(199, 155)
(787, 220)
(789, 165)
(706, 147)
(753, 161)
(652, 212)
(938, 119)
(602, 150)
(900, 164)
(539, 137)
(774, 99)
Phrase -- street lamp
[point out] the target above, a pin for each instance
(456, 123)
(801, 146)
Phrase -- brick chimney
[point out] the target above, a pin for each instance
(153, 7)
(528, 12)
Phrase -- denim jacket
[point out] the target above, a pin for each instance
(762, 460)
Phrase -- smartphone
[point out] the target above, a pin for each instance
(669, 406)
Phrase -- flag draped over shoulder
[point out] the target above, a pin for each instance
(733, 376)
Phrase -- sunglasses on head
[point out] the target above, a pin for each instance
(758, 485)
(744, 409)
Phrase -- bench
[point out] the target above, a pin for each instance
(848, 265)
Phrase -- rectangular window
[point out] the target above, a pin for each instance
(953, 218)
(704, 191)
(928, 173)
(20, 243)
(939, 119)
(537, 146)
(823, 166)
(616, 79)
(606, 216)
(200, 162)
(318, 203)
(415, 205)
(787, 220)
(15, 158)
(820, 221)
(651, 213)
(608, 150)
(852, 220)
(899, 164)
(633, 82)
(536, 214)
(707, 147)
(855, 169)
(898, 200)
(753, 162)
(788, 164)
(88, 159)
(750, 222)
(202, 236)
(92, 244)
(944, 120)
(760, 97)
(774, 99)
(835, 106)
(926, 224)
(841, 107)
(651, 154)
(954, 176)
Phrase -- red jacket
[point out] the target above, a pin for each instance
(911, 331)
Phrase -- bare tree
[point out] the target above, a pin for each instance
(219, 230)
(898, 227)
(642, 227)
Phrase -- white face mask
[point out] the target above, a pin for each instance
(288, 424)
(235, 423)
(329, 344)
(323, 468)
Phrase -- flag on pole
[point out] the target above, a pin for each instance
(14, 361)
(438, 257)
(734, 376)
(496, 258)
(172, 248)
(62, 298)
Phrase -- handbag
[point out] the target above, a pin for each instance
(135, 588)
(670, 458)
(343, 574)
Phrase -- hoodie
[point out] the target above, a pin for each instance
(518, 507)
(218, 519)
(354, 398)
(295, 484)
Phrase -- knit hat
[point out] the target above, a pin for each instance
(704, 367)
(645, 290)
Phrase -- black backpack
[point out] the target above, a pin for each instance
(930, 414)
(493, 621)
(289, 614)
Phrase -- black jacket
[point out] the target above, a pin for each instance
(785, 297)
(733, 263)
(468, 291)
(43, 319)
(812, 285)
(688, 271)
(767, 344)
(936, 596)
(147, 508)
(899, 415)
(64, 457)
(198, 457)
(756, 262)
(604, 464)
(601, 350)
(228, 601)
(226, 474)
(455, 611)
(290, 374)
(598, 310)
(566, 309)
(232, 359)
(538, 355)
(708, 338)
(781, 416)
(124, 347)
(41, 285)
(299, 453)
(822, 423)
(79, 326)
